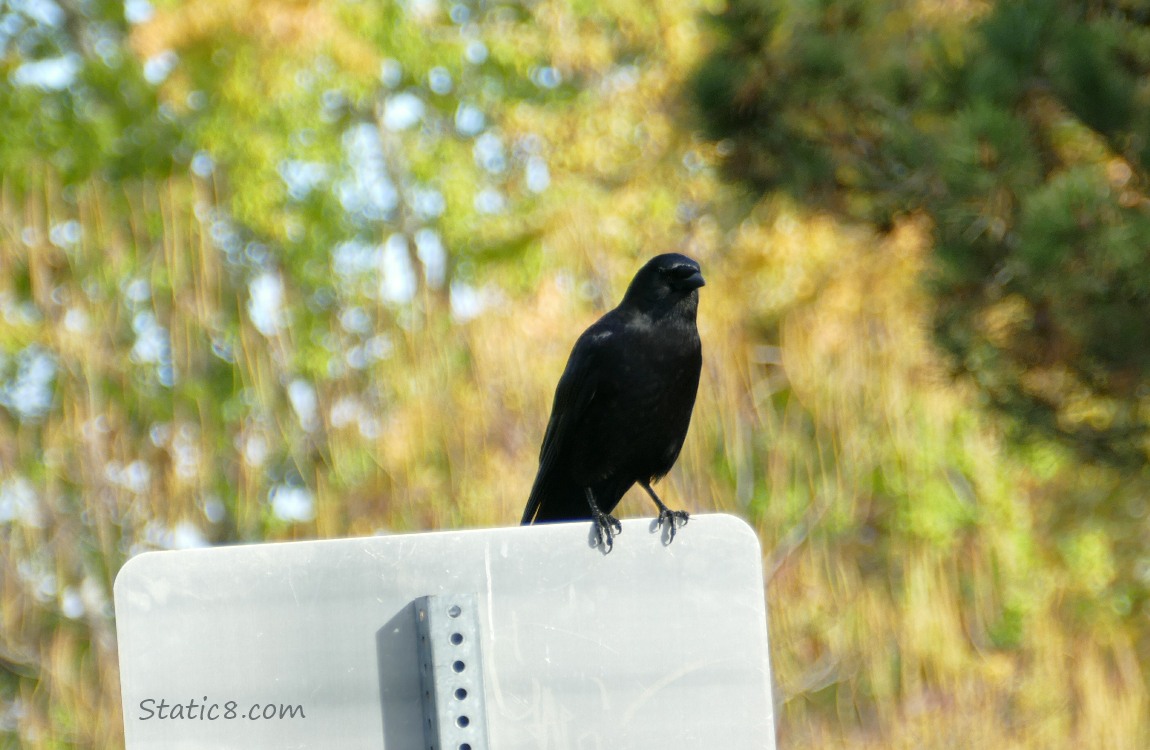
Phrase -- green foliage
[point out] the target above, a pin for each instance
(1015, 133)
(106, 121)
(1021, 132)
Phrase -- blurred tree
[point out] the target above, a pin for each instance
(258, 264)
(1022, 130)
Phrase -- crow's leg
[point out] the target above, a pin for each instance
(604, 523)
(665, 513)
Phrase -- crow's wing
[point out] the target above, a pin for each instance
(573, 397)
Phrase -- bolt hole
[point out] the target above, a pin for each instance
(460, 694)
(454, 610)
(457, 638)
(465, 746)
(463, 721)
(458, 666)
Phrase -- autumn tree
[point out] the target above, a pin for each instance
(1021, 130)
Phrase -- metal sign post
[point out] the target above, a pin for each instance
(513, 638)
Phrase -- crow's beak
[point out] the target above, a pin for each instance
(694, 281)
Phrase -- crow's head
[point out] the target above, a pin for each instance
(667, 282)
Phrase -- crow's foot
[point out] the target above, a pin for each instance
(606, 527)
(666, 514)
(671, 516)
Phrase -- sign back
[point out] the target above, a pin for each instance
(511, 638)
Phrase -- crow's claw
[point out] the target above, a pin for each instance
(606, 527)
(671, 516)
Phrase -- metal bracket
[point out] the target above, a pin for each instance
(451, 672)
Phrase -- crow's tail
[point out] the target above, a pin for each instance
(556, 501)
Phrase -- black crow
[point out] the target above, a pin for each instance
(624, 402)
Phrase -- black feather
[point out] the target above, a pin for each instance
(624, 402)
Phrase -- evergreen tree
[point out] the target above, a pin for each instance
(1022, 131)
